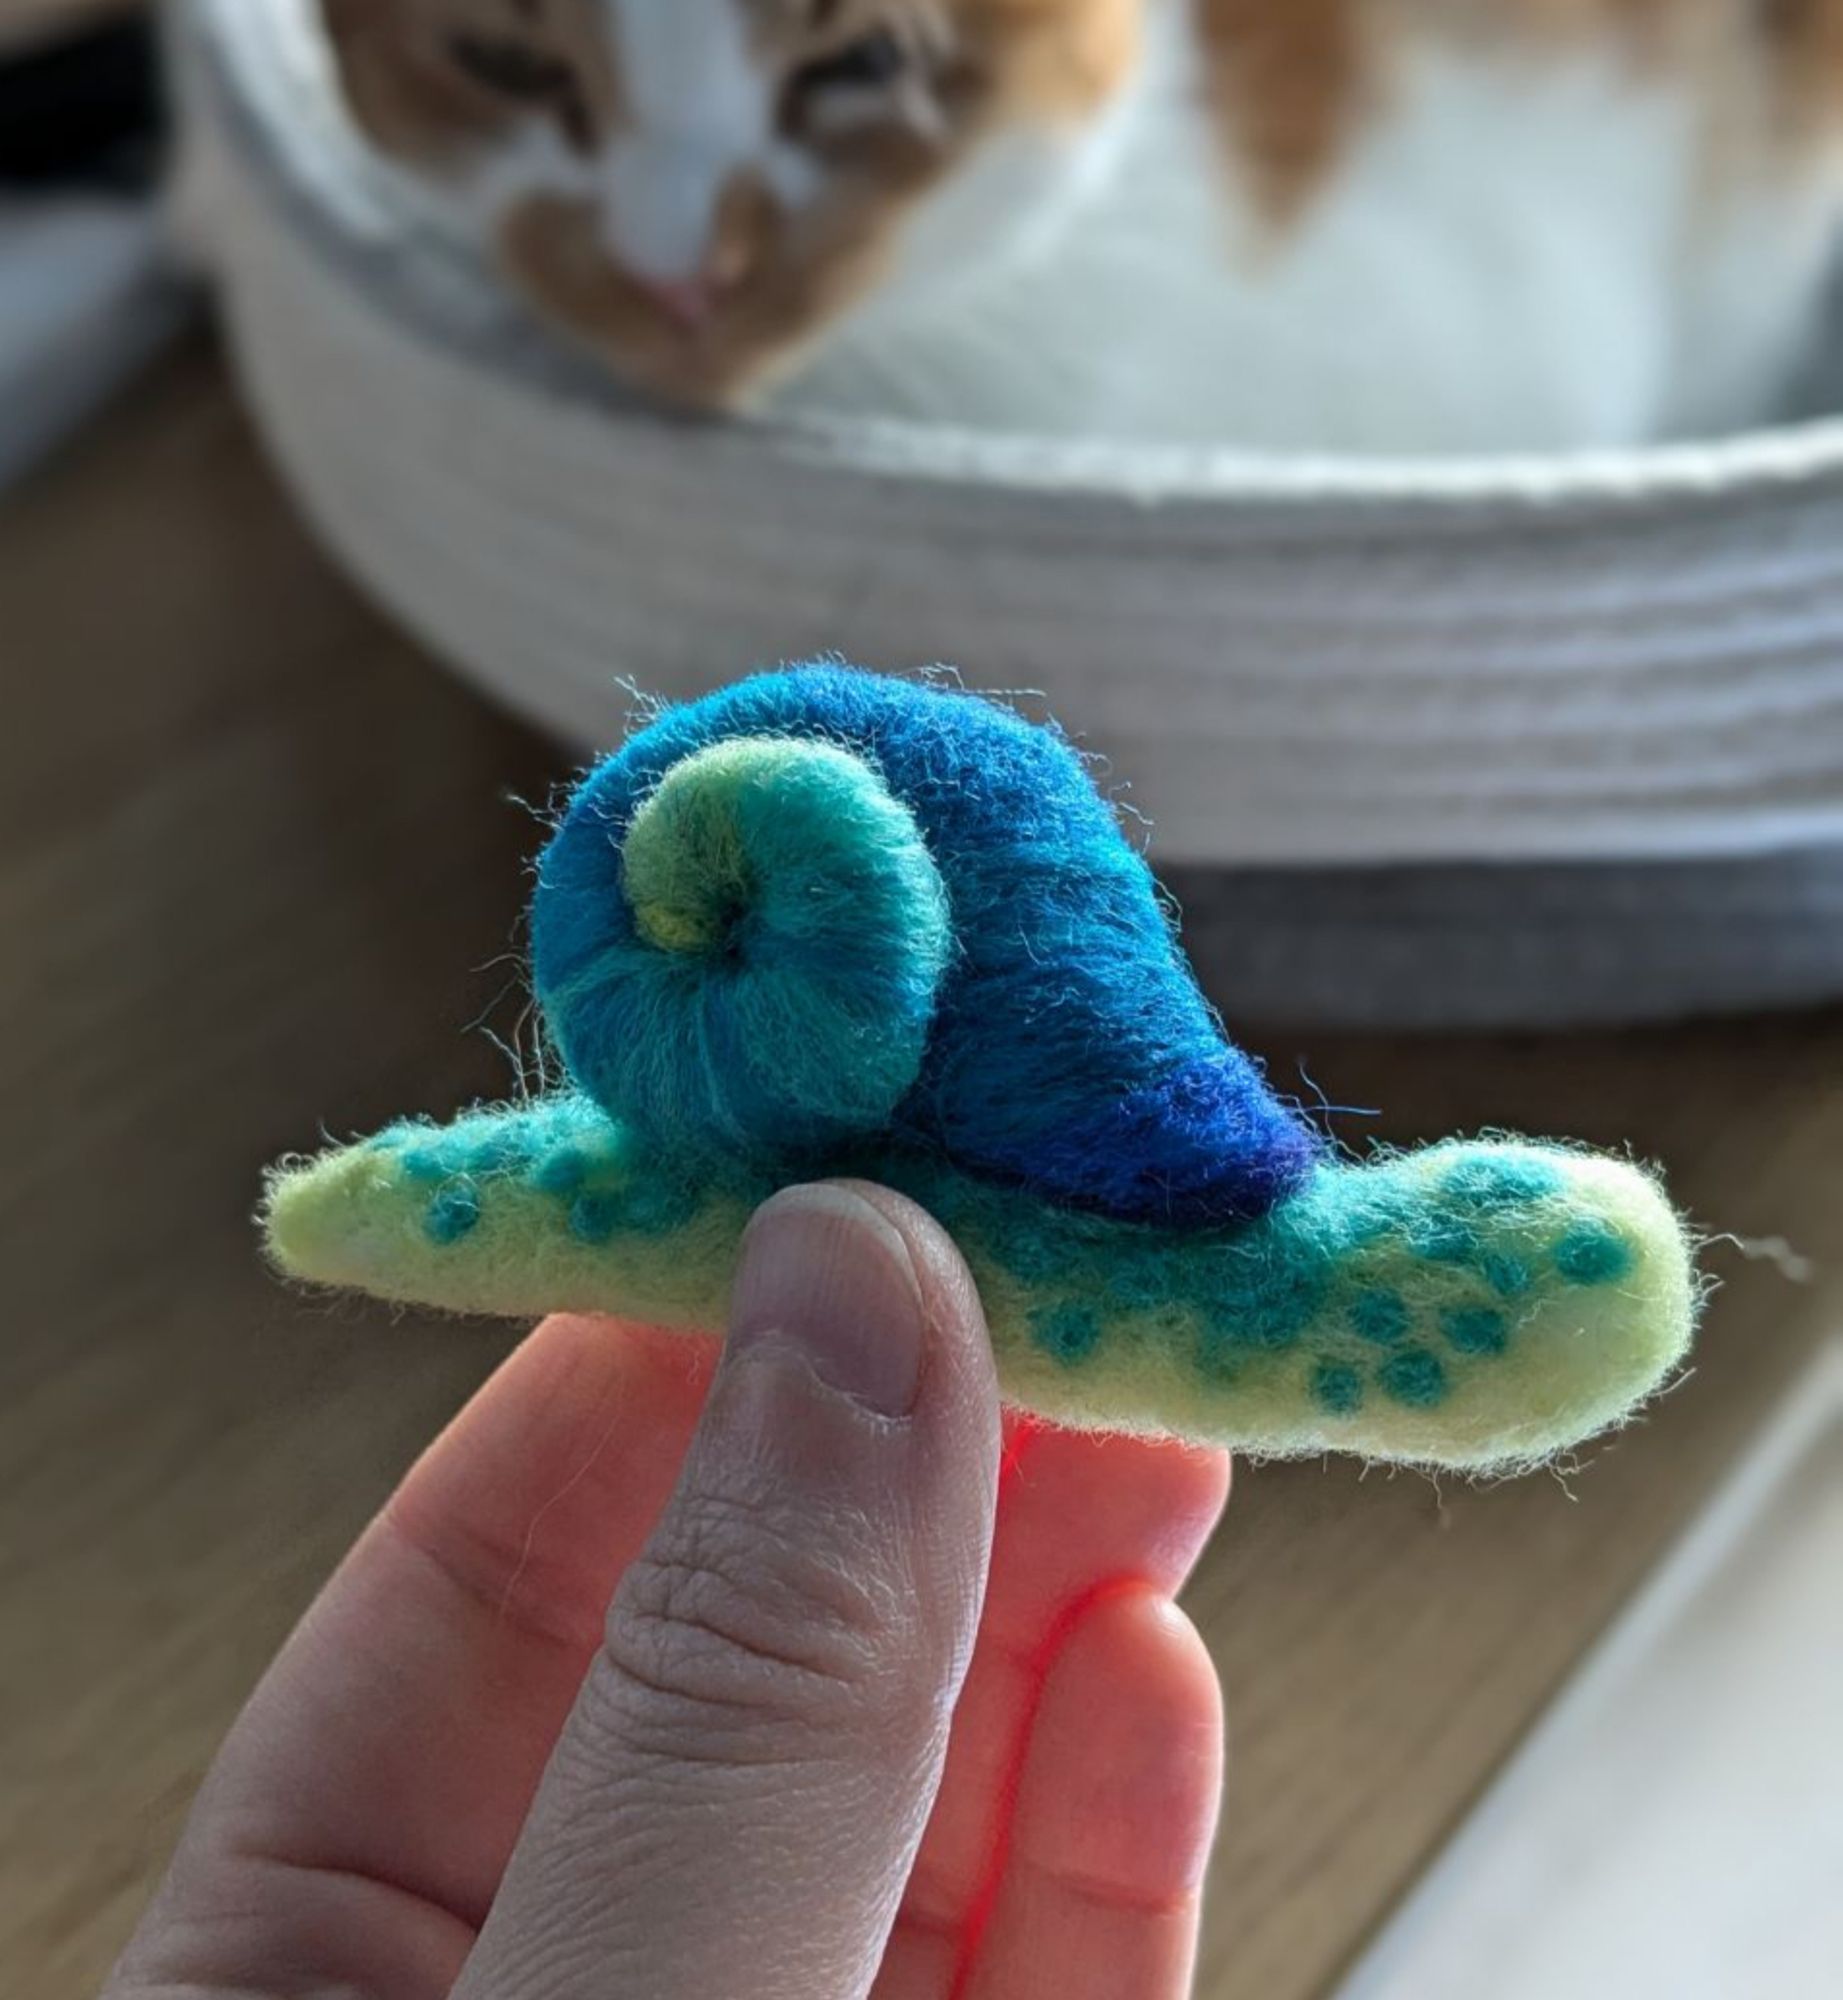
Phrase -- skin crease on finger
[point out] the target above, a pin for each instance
(360, 1817)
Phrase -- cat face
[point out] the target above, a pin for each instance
(702, 188)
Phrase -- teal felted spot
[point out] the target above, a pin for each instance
(1415, 1377)
(561, 1173)
(595, 1217)
(495, 1153)
(1337, 1388)
(1476, 1329)
(1508, 1276)
(1380, 1316)
(1501, 1181)
(656, 1208)
(1033, 1256)
(1268, 1311)
(1592, 1254)
(1069, 1331)
(422, 1163)
(452, 1214)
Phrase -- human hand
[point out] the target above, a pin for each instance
(467, 1773)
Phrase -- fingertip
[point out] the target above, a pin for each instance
(1126, 1762)
(1143, 1508)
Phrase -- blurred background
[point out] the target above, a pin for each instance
(1498, 794)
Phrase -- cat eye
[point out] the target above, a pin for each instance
(526, 75)
(872, 62)
(510, 68)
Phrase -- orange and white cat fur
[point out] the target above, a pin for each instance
(1396, 226)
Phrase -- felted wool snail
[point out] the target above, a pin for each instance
(821, 923)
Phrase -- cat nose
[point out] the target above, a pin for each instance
(688, 302)
(693, 295)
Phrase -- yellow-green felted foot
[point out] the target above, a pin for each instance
(1473, 1305)
(514, 1212)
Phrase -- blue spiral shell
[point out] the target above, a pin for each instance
(819, 908)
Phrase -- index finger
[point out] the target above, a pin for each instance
(400, 1734)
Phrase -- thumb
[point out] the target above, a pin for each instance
(737, 1797)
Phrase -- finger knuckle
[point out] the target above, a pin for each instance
(740, 1628)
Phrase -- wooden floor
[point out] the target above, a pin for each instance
(260, 873)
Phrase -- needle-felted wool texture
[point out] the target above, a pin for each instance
(820, 906)
(822, 923)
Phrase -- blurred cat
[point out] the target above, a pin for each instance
(1351, 225)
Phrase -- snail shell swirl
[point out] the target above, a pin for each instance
(756, 972)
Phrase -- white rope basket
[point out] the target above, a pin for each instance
(1618, 681)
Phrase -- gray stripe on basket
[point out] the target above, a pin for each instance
(1536, 947)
